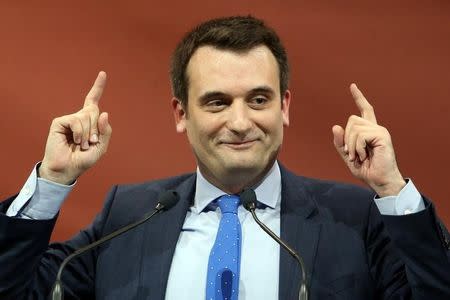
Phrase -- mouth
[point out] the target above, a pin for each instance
(242, 145)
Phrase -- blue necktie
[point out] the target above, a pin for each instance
(222, 282)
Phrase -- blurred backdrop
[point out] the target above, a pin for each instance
(398, 52)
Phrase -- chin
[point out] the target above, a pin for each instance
(244, 168)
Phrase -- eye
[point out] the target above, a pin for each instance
(258, 102)
(216, 102)
(215, 105)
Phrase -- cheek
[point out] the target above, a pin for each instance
(201, 130)
(271, 123)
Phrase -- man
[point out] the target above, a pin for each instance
(231, 99)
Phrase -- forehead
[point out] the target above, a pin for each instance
(212, 69)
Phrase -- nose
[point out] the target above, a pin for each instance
(239, 120)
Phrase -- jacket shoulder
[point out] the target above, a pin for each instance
(157, 185)
(127, 203)
(334, 201)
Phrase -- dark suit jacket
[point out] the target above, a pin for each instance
(350, 250)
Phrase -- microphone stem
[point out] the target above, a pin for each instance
(166, 200)
(303, 290)
(105, 239)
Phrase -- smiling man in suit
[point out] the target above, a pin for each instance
(231, 99)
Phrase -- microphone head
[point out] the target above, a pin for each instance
(167, 199)
(248, 198)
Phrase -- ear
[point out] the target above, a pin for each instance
(285, 107)
(179, 114)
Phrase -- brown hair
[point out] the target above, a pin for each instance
(230, 33)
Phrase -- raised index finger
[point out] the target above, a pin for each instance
(94, 95)
(363, 105)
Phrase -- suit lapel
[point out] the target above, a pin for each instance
(299, 231)
(160, 239)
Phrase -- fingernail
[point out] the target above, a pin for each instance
(94, 138)
(85, 145)
(345, 148)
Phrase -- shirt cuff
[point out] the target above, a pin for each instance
(408, 201)
(39, 199)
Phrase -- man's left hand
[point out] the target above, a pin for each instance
(366, 148)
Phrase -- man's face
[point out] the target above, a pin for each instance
(235, 115)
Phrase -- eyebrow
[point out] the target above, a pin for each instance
(264, 89)
(213, 94)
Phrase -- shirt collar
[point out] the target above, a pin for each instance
(267, 191)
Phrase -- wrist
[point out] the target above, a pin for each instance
(57, 177)
(392, 188)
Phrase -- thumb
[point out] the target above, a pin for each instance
(338, 140)
(104, 128)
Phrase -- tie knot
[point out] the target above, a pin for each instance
(228, 203)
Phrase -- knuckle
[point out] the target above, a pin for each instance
(92, 110)
(56, 121)
(381, 129)
(83, 125)
(94, 128)
(74, 121)
(84, 119)
(61, 119)
(85, 114)
(86, 131)
(347, 136)
(353, 118)
(86, 111)
(76, 136)
(78, 115)
(77, 132)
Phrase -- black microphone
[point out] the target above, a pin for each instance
(166, 200)
(248, 198)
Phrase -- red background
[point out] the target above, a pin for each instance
(397, 52)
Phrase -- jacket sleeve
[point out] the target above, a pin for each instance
(421, 242)
(29, 264)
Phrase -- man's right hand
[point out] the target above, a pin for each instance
(77, 141)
